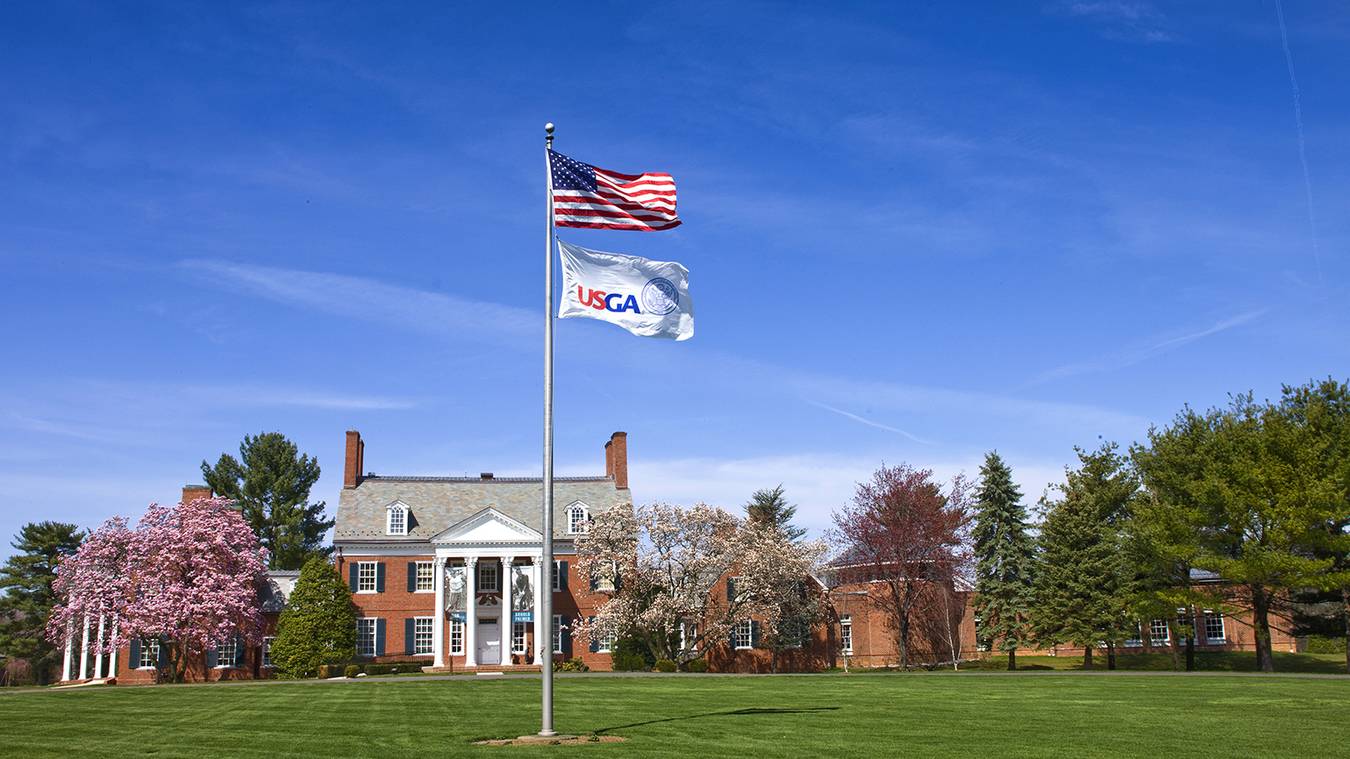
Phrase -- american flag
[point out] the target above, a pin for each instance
(585, 196)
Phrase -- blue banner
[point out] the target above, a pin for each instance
(458, 616)
(522, 616)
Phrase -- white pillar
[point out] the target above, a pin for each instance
(112, 663)
(98, 650)
(508, 625)
(471, 612)
(68, 662)
(543, 628)
(84, 651)
(438, 621)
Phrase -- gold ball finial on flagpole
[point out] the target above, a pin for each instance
(548, 133)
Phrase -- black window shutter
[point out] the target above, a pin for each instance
(754, 634)
(379, 635)
(239, 651)
(351, 572)
(408, 646)
(731, 640)
(566, 636)
(594, 582)
(562, 576)
(379, 577)
(731, 589)
(134, 659)
(595, 639)
(212, 657)
(163, 653)
(412, 576)
(618, 580)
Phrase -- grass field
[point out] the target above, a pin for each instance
(1205, 661)
(1065, 715)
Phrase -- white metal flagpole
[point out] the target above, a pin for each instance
(546, 576)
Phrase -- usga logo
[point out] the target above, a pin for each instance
(603, 301)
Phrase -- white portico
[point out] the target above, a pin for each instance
(488, 579)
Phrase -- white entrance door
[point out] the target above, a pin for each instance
(489, 641)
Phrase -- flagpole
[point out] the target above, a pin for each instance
(546, 576)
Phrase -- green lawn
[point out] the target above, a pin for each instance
(1205, 661)
(1069, 715)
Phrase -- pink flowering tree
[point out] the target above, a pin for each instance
(664, 568)
(189, 574)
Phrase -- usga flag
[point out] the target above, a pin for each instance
(647, 298)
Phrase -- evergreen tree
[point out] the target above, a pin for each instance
(1084, 586)
(769, 506)
(318, 625)
(1005, 559)
(270, 482)
(27, 599)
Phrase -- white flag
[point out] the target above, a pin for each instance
(647, 298)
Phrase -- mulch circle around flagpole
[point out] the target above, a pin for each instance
(553, 740)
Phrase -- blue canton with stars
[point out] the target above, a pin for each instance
(569, 174)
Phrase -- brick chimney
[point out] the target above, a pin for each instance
(195, 492)
(355, 461)
(616, 459)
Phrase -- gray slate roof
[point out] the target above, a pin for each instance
(437, 503)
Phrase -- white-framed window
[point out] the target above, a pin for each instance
(226, 652)
(557, 634)
(396, 519)
(744, 635)
(426, 577)
(794, 632)
(1158, 632)
(689, 635)
(487, 576)
(1137, 639)
(1214, 632)
(422, 635)
(606, 584)
(578, 519)
(267, 651)
(846, 633)
(149, 654)
(457, 637)
(735, 588)
(365, 636)
(604, 643)
(518, 637)
(557, 575)
(366, 573)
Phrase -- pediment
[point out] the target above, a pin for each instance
(488, 526)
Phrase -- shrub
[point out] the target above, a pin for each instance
(330, 670)
(318, 625)
(696, 665)
(631, 655)
(575, 664)
(665, 665)
(17, 672)
(1321, 644)
(351, 670)
(390, 669)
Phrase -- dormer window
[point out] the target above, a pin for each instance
(578, 519)
(397, 519)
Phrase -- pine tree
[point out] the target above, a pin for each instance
(769, 506)
(27, 599)
(318, 625)
(1005, 560)
(270, 482)
(1083, 588)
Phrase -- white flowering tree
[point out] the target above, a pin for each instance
(665, 568)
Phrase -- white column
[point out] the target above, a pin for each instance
(112, 663)
(543, 628)
(66, 664)
(508, 625)
(98, 650)
(84, 651)
(438, 621)
(471, 612)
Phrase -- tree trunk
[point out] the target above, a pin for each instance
(1345, 596)
(1087, 656)
(1012, 660)
(1265, 657)
(1110, 655)
(902, 641)
(1190, 652)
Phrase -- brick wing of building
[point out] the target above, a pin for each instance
(446, 570)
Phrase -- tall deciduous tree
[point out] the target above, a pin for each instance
(318, 625)
(1005, 556)
(26, 595)
(270, 482)
(188, 574)
(666, 564)
(902, 531)
(1084, 586)
(770, 507)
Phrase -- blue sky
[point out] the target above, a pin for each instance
(915, 233)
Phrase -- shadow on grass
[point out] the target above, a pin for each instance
(749, 712)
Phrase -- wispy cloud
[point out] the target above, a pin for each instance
(1302, 143)
(868, 422)
(1142, 352)
(371, 300)
(1121, 19)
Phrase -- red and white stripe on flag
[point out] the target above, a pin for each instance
(594, 198)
